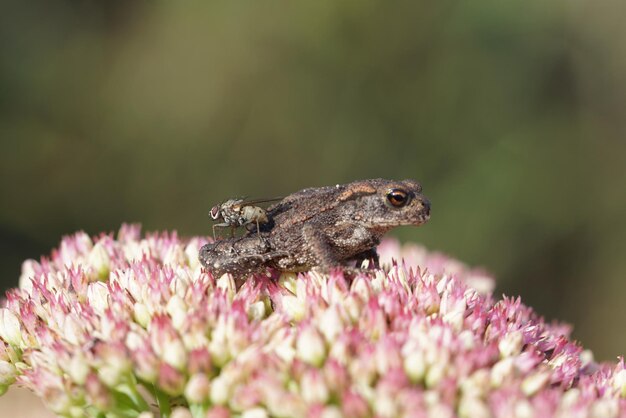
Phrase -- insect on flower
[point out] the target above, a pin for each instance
(240, 212)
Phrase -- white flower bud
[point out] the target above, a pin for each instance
(570, 398)
(468, 339)
(99, 261)
(435, 373)
(132, 251)
(175, 256)
(476, 385)
(533, 383)
(73, 330)
(331, 412)
(473, 407)
(8, 372)
(59, 402)
(78, 369)
(114, 367)
(198, 388)
(227, 283)
(256, 311)
(218, 346)
(294, 307)
(76, 411)
(455, 319)
(191, 251)
(415, 366)
(141, 313)
(181, 282)
(288, 281)
(352, 306)
(220, 390)
(98, 296)
(524, 409)
(385, 405)
(310, 347)
(331, 324)
(284, 345)
(361, 287)
(605, 408)
(586, 358)
(377, 283)
(619, 383)
(313, 387)
(177, 308)
(511, 344)
(501, 371)
(401, 272)
(175, 354)
(27, 275)
(255, 413)
(10, 330)
(181, 412)
(83, 241)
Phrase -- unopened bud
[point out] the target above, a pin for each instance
(198, 388)
(10, 327)
(8, 372)
(99, 261)
(310, 347)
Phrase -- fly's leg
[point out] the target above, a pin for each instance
(250, 225)
(222, 225)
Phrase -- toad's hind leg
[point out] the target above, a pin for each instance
(219, 260)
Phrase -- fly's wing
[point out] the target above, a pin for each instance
(304, 204)
(229, 207)
(251, 202)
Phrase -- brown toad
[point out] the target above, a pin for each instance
(321, 228)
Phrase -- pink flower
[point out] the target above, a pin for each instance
(117, 325)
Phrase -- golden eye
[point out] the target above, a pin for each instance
(397, 197)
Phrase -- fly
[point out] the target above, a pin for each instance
(240, 212)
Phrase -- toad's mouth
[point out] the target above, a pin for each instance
(416, 220)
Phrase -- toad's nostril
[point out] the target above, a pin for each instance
(426, 206)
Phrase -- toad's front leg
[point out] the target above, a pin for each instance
(326, 254)
(370, 255)
(318, 245)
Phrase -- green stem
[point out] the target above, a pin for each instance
(163, 402)
(130, 389)
(198, 410)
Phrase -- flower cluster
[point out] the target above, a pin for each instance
(133, 326)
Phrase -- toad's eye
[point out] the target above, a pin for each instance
(215, 212)
(397, 197)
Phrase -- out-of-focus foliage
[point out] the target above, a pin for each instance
(510, 113)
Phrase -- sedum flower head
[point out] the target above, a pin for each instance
(133, 326)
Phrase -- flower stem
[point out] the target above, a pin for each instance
(163, 402)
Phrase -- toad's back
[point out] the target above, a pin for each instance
(300, 207)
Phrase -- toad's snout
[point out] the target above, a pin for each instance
(423, 205)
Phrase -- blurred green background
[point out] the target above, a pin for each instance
(511, 114)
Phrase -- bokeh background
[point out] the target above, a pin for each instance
(511, 114)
